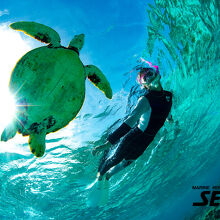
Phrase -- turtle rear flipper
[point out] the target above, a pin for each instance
(37, 143)
(9, 132)
(96, 76)
(38, 31)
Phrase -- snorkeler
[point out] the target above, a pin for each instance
(151, 112)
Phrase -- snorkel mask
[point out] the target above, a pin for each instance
(148, 76)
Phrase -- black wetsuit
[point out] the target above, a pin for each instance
(135, 141)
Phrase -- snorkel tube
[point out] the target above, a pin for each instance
(150, 65)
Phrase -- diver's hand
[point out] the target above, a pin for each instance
(96, 151)
(100, 148)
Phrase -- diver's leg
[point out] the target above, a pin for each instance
(124, 163)
(128, 149)
(103, 159)
(121, 153)
(109, 163)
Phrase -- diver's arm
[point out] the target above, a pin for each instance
(126, 126)
(100, 148)
(130, 122)
(141, 107)
(113, 138)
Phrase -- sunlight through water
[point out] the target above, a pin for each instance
(8, 107)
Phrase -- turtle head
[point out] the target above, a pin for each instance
(77, 42)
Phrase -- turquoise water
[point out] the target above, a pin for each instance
(183, 38)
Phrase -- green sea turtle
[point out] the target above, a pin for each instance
(48, 84)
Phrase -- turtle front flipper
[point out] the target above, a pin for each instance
(37, 143)
(9, 132)
(38, 31)
(96, 76)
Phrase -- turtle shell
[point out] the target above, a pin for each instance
(49, 88)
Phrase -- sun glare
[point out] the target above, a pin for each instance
(12, 48)
(8, 108)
